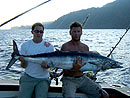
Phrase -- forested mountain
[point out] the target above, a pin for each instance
(115, 15)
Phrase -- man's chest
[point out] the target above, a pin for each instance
(35, 50)
(73, 48)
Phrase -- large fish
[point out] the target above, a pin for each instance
(64, 60)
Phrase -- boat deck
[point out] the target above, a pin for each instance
(10, 88)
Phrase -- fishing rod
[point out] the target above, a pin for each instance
(23, 13)
(85, 20)
(119, 41)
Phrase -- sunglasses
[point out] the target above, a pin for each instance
(37, 31)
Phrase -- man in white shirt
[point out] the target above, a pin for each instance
(36, 76)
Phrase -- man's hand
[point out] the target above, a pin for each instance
(44, 65)
(23, 62)
(77, 64)
(21, 58)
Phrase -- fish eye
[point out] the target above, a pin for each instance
(113, 64)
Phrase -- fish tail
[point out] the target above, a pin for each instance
(14, 54)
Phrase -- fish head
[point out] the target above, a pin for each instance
(116, 64)
(111, 64)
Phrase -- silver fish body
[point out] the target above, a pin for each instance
(64, 60)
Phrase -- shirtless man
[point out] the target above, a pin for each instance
(73, 79)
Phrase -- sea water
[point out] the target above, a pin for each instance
(100, 40)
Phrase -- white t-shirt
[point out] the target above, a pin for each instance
(31, 48)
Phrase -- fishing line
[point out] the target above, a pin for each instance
(23, 13)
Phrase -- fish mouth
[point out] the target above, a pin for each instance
(119, 66)
(119, 63)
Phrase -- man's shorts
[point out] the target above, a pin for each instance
(83, 83)
(29, 85)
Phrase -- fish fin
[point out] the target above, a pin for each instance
(57, 49)
(95, 72)
(15, 48)
(112, 57)
(14, 54)
(11, 62)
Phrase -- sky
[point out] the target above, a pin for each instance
(49, 11)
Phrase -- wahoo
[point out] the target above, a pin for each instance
(64, 60)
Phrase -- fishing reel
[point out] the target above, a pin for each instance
(54, 75)
(91, 76)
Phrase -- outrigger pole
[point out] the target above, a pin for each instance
(118, 41)
(23, 13)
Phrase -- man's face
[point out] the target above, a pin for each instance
(76, 33)
(38, 33)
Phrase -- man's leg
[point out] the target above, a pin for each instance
(90, 88)
(26, 87)
(41, 89)
(68, 88)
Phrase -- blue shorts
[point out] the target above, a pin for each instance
(30, 85)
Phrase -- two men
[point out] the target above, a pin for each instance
(36, 76)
